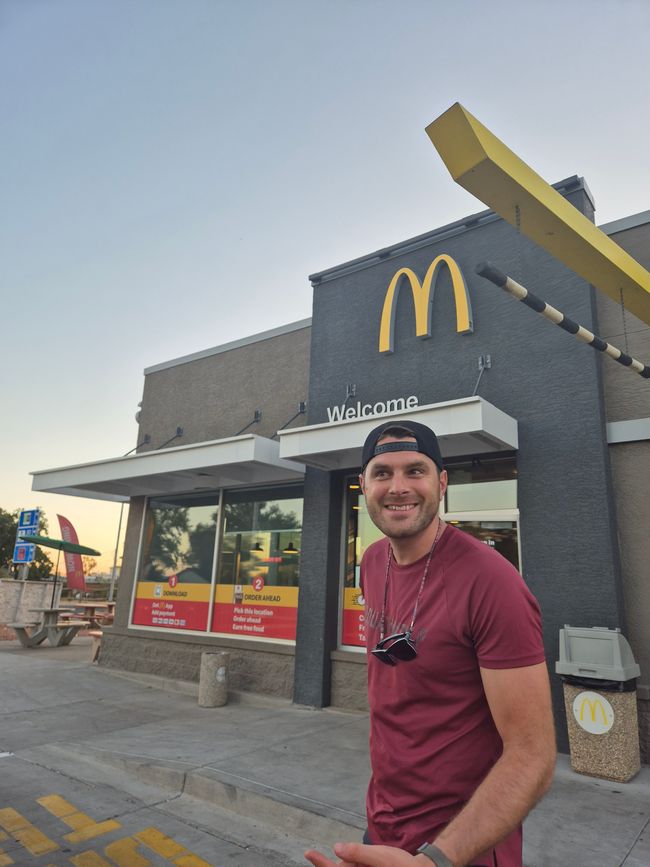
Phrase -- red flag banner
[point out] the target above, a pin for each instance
(74, 569)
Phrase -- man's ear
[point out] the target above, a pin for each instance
(361, 483)
(444, 481)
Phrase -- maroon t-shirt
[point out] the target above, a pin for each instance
(432, 737)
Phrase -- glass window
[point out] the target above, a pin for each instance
(173, 588)
(500, 535)
(482, 484)
(259, 563)
(361, 533)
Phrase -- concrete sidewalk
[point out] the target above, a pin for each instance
(301, 770)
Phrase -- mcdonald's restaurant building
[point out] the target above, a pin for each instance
(246, 532)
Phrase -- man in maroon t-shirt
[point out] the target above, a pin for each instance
(462, 742)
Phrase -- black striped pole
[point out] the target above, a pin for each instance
(485, 269)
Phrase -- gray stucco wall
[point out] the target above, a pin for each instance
(540, 375)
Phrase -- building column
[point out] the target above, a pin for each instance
(318, 594)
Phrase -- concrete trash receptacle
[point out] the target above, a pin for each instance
(599, 675)
(213, 679)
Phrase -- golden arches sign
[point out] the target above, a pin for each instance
(593, 706)
(423, 301)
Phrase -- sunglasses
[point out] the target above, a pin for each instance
(399, 647)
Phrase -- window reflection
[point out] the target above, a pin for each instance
(179, 541)
(262, 537)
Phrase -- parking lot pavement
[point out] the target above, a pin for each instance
(53, 818)
(256, 780)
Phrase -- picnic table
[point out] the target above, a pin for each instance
(99, 612)
(54, 624)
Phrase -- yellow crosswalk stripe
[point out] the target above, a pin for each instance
(83, 827)
(89, 859)
(191, 860)
(30, 837)
(160, 843)
(163, 845)
(124, 853)
(5, 860)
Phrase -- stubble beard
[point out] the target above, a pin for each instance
(428, 513)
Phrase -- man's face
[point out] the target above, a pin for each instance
(403, 491)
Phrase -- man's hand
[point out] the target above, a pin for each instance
(358, 855)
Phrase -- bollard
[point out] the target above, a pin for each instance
(213, 679)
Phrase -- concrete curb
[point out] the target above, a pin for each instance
(296, 815)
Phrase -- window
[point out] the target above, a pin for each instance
(482, 484)
(173, 589)
(256, 592)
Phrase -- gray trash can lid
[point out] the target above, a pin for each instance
(596, 652)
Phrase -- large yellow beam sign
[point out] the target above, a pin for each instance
(484, 166)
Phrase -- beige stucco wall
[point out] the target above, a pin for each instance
(631, 474)
(627, 396)
(213, 397)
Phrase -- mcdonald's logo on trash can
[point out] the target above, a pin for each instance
(423, 294)
(593, 712)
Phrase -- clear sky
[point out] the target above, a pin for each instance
(172, 170)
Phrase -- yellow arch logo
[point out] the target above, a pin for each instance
(593, 706)
(423, 301)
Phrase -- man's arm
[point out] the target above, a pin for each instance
(520, 703)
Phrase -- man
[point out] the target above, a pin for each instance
(462, 742)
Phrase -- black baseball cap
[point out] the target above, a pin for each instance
(426, 442)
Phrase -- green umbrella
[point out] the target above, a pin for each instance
(60, 545)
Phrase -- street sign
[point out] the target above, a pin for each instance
(24, 552)
(28, 520)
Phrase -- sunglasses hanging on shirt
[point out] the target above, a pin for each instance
(400, 646)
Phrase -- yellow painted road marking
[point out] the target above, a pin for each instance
(123, 852)
(31, 838)
(5, 860)
(89, 859)
(163, 845)
(160, 843)
(83, 827)
(90, 831)
(191, 860)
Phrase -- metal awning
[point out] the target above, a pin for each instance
(468, 426)
(232, 462)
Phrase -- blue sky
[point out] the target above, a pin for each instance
(172, 170)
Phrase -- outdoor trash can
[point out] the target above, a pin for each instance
(213, 679)
(599, 674)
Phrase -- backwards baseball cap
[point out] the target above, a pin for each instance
(426, 442)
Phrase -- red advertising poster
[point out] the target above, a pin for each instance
(255, 610)
(172, 604)
(354, 618)
(74, 569)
